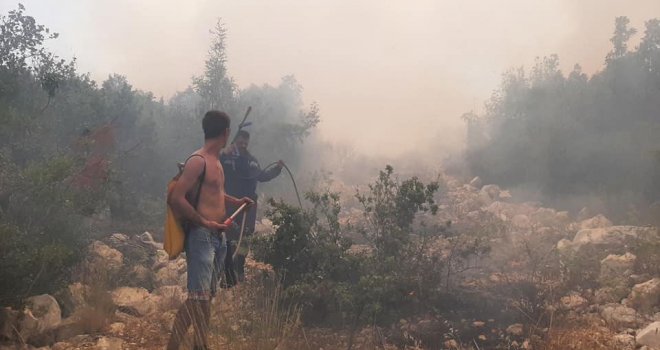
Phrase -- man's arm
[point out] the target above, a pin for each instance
(238, 202)
(271, 173)
(191, 173)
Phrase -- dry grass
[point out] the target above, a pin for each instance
(579, 337)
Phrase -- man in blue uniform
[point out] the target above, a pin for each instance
(242, 174)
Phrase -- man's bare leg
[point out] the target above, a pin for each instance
(201, 320)
(191, 312)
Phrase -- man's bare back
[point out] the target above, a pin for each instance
(212, 198)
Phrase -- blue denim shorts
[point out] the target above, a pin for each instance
(205, 258)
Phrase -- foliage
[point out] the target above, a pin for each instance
(400, 273)
(575, 135)
(78, 158)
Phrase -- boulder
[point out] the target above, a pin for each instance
(173, 273)
(489, 193)
(645, 297)
(476, 182)
(521, 221)
(141, 276)
(598, 221)
(607, 295)
(8, 323)
(624, 342)
(41, 314)
(650, 336)
(109, 343)
(619, 316)
(616, 269)
(614, 236)
(73, 297)
(118, 239)
(148, 240)
(515, 329)
(170, 297)
(133, 301)
(573, 302)
(103, 259)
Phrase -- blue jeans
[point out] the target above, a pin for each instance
(205, 258)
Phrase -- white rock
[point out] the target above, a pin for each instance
(109, 343)
(118, 239)
(650, 335)
(515, 329)
(624, 342)
(573, 302)
(41, 314)
(598, 221)
(133, 300)
(8, 321)
(615, 269)
(646, 296)
(102, 258)
(173, 273)
(476, 182)
(613, 236)
(619, 316)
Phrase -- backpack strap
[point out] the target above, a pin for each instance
(200, 179)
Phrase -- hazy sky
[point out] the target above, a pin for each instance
(388, 75)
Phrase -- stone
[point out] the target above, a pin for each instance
(515, 329)
(141, 276)
(173, 273)
(612, 236)
(104, 259)
(61, 346)
(598, 221)
(573, 302)
(148, 240)
(490, 193)
(117, 328)
(619, 316)
(73, 297)
(132, 300)
(8, 323)
(117, 239)
(607, 295)
(170, 297)
(645, 297)
(109, 343)
(476, 182)
(615, 269)
(41, 314)
(521, 221)
(624, 341)
(650, 335)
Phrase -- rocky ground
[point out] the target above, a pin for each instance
(598, 286)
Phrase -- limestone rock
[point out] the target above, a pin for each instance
(624, 341)
(645, 297)
(102, 258)
(109, 343)
(619, 316)
(490, 193)
(650, 335)
(476, 182)
(134, 301)
(173, 273)
(573, 302)
(615, 269)
(515, 329)
(8, 321)
(611, 236)
(41, 314)
(148, 240)
(598, 221)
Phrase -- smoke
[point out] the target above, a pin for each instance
(390, 78)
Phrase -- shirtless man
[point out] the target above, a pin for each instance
(205, 242)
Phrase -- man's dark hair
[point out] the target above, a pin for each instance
(243, 134)
(214, 124)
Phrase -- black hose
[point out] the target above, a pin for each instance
(295, 187)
